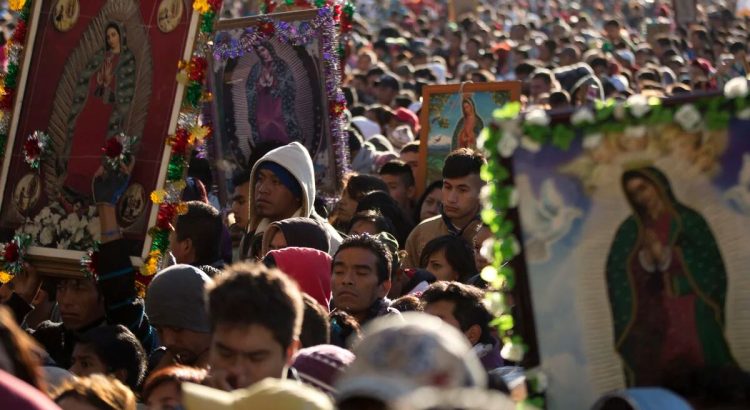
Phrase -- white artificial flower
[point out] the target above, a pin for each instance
(92, 211)
(488, 250)
(45, 213)
(530, 145)
(539, 379)
(32, 229)
(688, 117)
(93, 227)
(638, 105)
(512, 127)
(55, 218)
(507, 145)
(512, 352)
(63, 244)
(637, 131)
(46, 236)
(591, 141)
(77, 236)
(70, 223)
(537, 116)
(744, 114)
(484, 194)
(620, 111)
(582, 116)
(736, 88)
(494, 301)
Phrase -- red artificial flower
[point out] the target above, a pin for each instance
(337, 13)
(337, 108)
(346, 26)
(266, 28)
(197, 68)
(31, 148)
(301, 2)
(19, 34)
(165, 216)
(10, 253)
(215, 4)
(179, 141)
(270, 6)
(112, 148)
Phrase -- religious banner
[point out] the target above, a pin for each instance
(634, 229)
(276, 80)
(94, 82)
(452, 117)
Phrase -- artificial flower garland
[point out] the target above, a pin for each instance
(90, 262)
(9, 79)
(343, 14)
(323, 26)
(12, 256)
(191, 131)
(511, 130)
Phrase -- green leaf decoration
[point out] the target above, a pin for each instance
(562, 136)
(537, 133)
(507, 112)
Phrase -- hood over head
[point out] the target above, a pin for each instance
(310, 268)
(299, 232)
(295, 158)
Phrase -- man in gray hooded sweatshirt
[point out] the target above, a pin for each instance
(282, 186)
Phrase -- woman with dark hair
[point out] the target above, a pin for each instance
(449, 258)
(430, 202)
(101, 106)
(161, 390)
(667, 285)
(468, 127)
(383, 203)
(19, 354)
(355, 187)
(371, 222)
(270, 99)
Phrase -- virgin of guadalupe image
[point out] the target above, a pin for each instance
(101, 103)
(667, 285)
(270, 93)
(469, 126)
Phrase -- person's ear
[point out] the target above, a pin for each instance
(474, 333)
(292, 350)
(384, 288)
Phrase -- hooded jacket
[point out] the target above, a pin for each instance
(295, 158)
(310, 268)
(299, 232)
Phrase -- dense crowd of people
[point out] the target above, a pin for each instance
(283, 300)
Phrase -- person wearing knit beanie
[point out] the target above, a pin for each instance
(320, 366)
(176, 307)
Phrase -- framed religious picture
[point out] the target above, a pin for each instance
(275, 80)
(452, 117)
(634, 233)
(90, 71)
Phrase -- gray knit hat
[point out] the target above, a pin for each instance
(175, 298)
